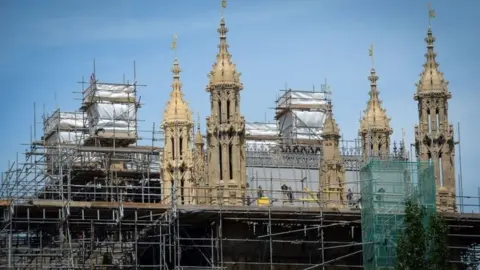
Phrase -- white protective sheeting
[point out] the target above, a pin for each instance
(64, 121)
(262, 146)
(301, 98)
(302, 124)
(261, 129)
(65, 137)
(305, 122)
(112, 116)
(109, 92)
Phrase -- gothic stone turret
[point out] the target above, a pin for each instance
(225, 129)
(177, 161)
(199, 170)
(332, 172)
(434, 139)
(375, 128)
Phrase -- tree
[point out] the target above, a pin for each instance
(418, 248)
(411, 248)
(437, 245)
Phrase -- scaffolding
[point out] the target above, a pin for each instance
(88, 196)
(300, 114)
(111, 113)
(386, 185)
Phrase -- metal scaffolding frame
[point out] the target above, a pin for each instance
(77, 205)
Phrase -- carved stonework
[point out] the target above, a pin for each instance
(434, 138)
(332, 173)
(375, 128)
(225, 129)
(177, 163)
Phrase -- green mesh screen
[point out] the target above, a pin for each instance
(385, 185)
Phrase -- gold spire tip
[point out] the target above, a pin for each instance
(431, 14)
(371, 54)
(224, 6)
(174, 44)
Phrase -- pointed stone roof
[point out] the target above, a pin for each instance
(198, 135)
(177, 108)
(431, 80)
(330, 127)
(374, 117)
(224, 70)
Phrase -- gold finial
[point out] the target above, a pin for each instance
(198, 122)
(431, 14)
(224, 6)
(370, 53)
(174, 44)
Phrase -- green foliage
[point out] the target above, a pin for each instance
(421, 248)
(411, 247)
(437, 246)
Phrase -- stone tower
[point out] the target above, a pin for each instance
(375, 128)
(225, 129)
(201, 186)
(177, 161)
(434, 139)
(332, 173)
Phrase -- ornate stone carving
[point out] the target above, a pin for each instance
(177, 158)
(225, 127)
(434, 138)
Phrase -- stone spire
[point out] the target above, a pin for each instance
(199, 168)
(375, 127)
(198, 136)
(332, 173)
(177, 108)
(177, 163)
(434, 135)
(225, 130)
(224, 70)
(374, 117)
(330, 127)
(431, 79)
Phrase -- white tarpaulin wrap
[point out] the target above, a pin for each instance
(108, 116)
(110, 92)
(301, 98)
(302, 124)
(64, 121)
(305, 121)
(65, 137)
(261, 129)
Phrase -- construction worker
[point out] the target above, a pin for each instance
(284, 189)
(350, 197)
(260, 192)
(380, 196)
(290, 195)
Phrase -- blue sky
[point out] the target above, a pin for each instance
(47, 46)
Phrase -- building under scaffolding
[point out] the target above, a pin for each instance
(88, 196)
